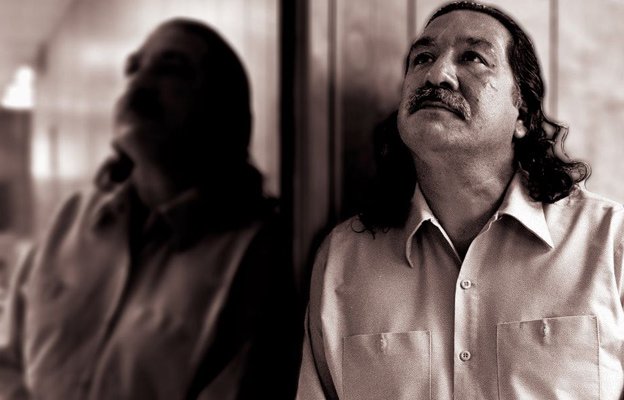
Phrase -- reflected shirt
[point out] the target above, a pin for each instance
(119, 303)
(533, 311)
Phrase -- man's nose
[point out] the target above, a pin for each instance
(140, 85)
(443, 73)
(141, 80)
(140, 96)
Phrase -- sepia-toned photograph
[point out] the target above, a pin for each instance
(311, 199)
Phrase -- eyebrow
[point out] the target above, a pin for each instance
(424, 41)
(428, 41)
(480, 42)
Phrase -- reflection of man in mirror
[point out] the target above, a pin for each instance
(168, 279)
(482, 270)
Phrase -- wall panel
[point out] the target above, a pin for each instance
(591, 88)
(370, 41)
(313, 128)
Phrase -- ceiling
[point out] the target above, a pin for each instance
(24, 24)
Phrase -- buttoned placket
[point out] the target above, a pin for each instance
(120, 275)
(86, 376)
(465, 328)
(466, 325)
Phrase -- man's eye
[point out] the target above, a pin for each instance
(422, 58)
(174, 68)
(473, 57)
(169, 68)
(173, 64)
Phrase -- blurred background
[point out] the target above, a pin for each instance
(323, 73)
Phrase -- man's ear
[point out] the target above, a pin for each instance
(520, 131)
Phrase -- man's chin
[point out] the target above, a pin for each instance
(138, 128)
(138, 134)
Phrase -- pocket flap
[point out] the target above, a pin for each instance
(549, 358)
(391, 365)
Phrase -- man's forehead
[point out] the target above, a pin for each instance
(172, 39)
(466, 27)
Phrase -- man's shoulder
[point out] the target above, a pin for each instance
(583, 208)
(353, 234)
(351, 229)
(582, 198)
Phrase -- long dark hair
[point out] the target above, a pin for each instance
(551, 175)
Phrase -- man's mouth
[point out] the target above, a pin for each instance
(438, 105)
(139, 107)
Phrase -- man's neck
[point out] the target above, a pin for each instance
(463, 194)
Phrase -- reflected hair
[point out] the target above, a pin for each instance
(549, 173)
(224, 121)
(227, 100)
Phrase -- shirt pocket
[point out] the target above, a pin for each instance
(550, 358)
(387, 366)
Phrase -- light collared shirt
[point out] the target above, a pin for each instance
(533, 311)
(119, 304)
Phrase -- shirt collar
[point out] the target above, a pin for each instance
(517, 204)
(183, 215)
(419, 214)
(530, 213)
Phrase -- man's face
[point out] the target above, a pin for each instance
(158, 109)
(459, 93)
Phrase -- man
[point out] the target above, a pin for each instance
(167, 280)
(483, 270)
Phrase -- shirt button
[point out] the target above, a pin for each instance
(465, 284)
(465, 355)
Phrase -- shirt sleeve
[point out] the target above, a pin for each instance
(310, 386)
(12, 385)
(315, 380)
(618, 252)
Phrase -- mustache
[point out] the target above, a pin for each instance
(141, 103)
(449, 98)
